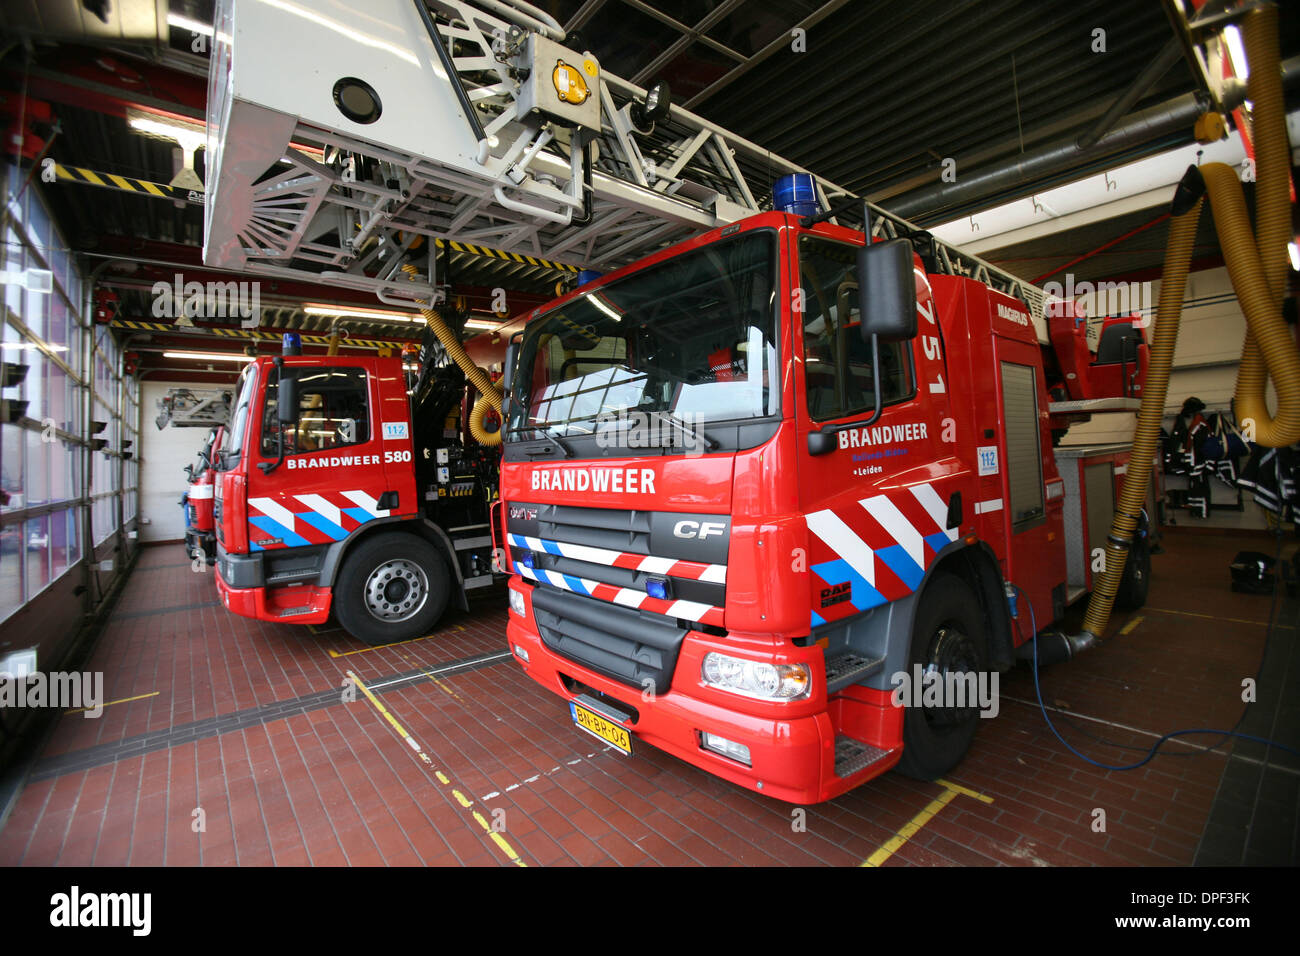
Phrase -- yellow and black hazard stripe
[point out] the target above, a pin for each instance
(78, 174)
(258, 335)
(519, 257)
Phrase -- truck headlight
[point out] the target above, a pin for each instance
(517, 603)
(756, 678)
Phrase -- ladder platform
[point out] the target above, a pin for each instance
(853, 756)
(850, 668)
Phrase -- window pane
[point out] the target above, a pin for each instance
(74, 536)
(11, 468)
(37, 543)
(11, 569)
(333, 411)
(833, 344)
(38, 468)
(59, 559)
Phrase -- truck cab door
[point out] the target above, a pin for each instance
(332, 477)
(877, 503)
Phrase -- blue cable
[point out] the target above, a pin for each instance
(1155, 748)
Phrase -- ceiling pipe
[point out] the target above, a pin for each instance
(1171, 54)
(1138, 129)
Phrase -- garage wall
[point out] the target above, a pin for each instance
(1205, 366)
(163, 456)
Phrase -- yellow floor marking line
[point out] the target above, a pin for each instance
(1216, 617)
(367, 650)
(975, 794)
(951, 791)
(401, 731)
(441, 777)
(124, 700)
(1127, 629)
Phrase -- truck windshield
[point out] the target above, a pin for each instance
(686, 346)
(233, 444)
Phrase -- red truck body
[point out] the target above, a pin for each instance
(297, 505)
(200, 537)
(767, 552)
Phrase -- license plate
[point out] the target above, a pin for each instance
(602, 729)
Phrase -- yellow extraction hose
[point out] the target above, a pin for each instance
(490, 399)
(1178, 257)
(1258, 267)
(1259, 275)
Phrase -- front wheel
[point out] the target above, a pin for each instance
(392, 588)
(950, 648)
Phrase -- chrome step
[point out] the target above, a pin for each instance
(850, 668)
(852, 756)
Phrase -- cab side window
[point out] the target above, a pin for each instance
(837, 362)
(333, 411)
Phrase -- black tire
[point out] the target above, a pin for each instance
(393, 587)
(1136, 579)
(948, 633)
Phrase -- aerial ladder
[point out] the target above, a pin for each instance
(377, 141)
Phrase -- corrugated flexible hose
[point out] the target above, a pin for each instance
(1257, 264)
(490, 398)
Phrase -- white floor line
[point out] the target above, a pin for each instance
(1147, 733)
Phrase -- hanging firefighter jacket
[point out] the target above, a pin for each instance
(1273, 476)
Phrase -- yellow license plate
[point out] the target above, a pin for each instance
(603, 729)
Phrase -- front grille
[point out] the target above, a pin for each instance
(636, 649)
(592, 568)
(616, 529)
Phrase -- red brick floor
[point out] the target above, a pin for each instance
(501, 772)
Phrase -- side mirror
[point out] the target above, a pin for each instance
(887, 291)
(508, 378)
(287, 409)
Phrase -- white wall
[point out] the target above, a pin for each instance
(163, 455)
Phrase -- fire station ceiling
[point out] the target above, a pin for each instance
(873, 95)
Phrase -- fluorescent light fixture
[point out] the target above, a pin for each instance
(189, 136)
(25, 346)
(182, 22)
(600, 304)
(483, 324)
(210, 356)
(1236, 52)
(167, 127)
(360, 312)
(1294, 249)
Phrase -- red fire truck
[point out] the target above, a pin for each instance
(751, 479)
(339, 491)
(735, 505)
(200, 539)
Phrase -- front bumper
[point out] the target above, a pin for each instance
(300, 603)
(791, 759)
(204, 542)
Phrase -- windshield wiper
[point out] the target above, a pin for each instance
(699, 434)
(553, 439)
